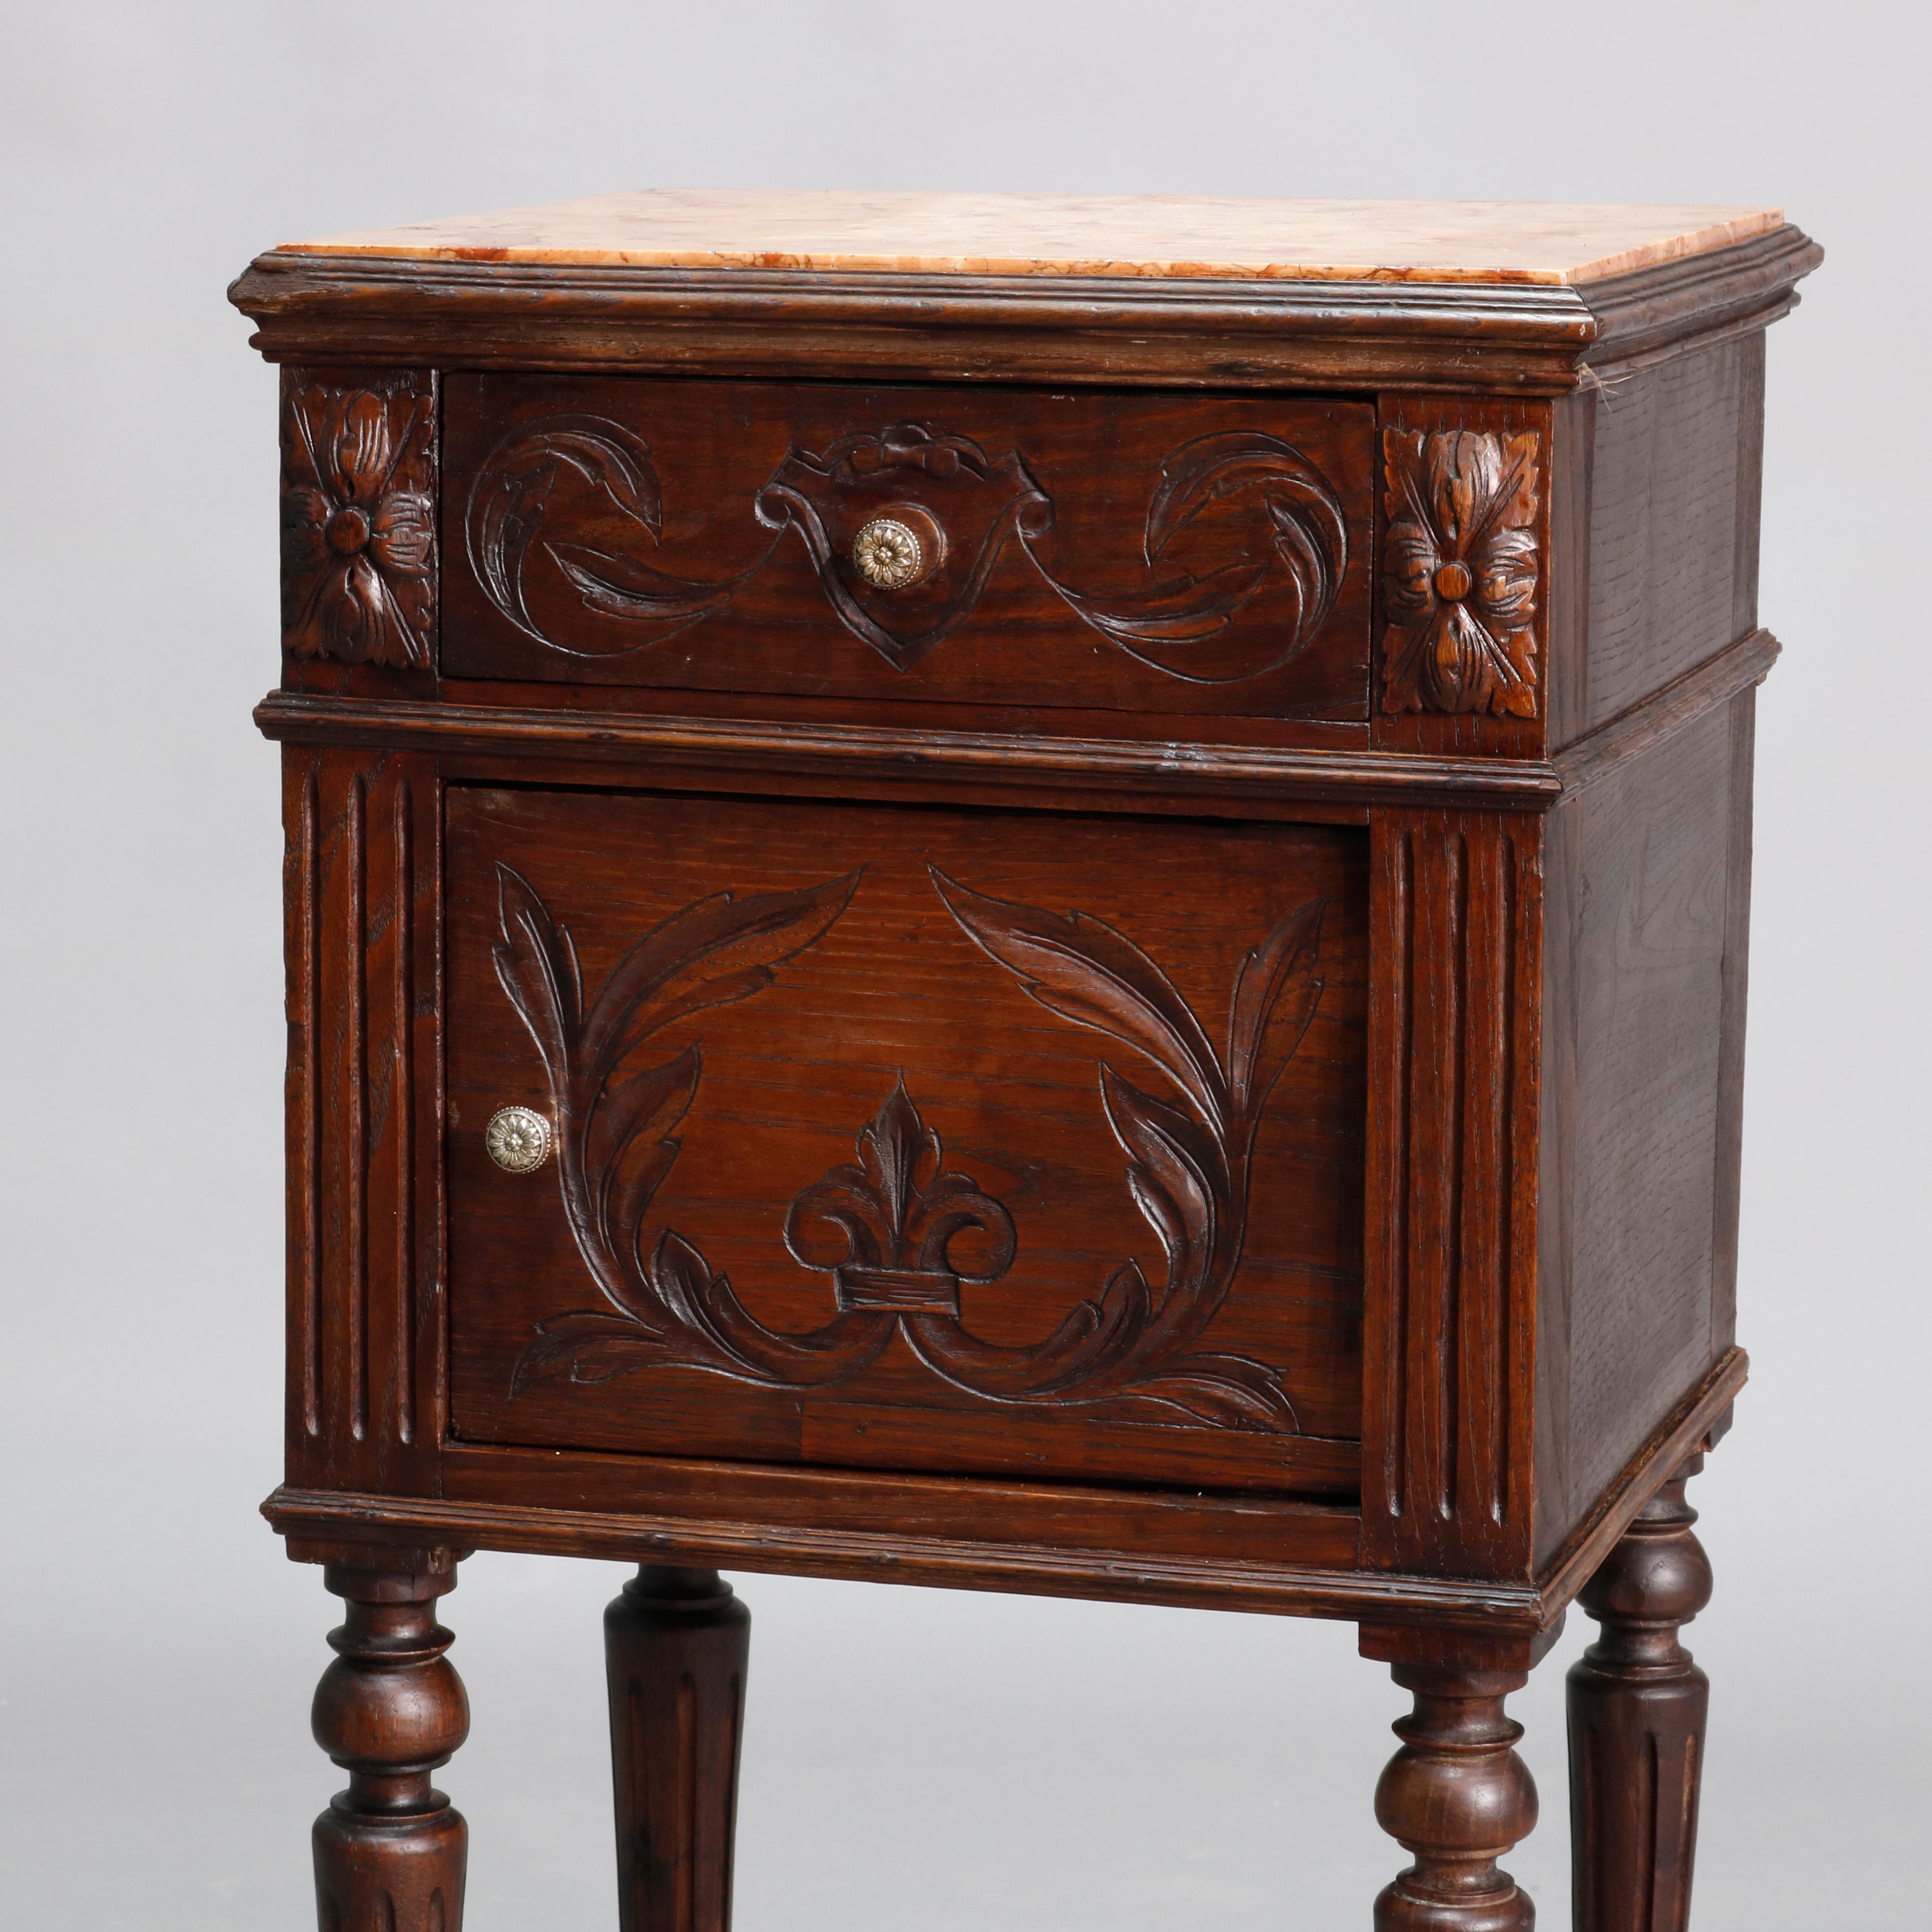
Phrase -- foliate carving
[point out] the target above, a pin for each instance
(1182, 624)
(885, 1227)
(358, 527)
(1460, 572)
(616, 1137)
(1177, 626)
(506, 510)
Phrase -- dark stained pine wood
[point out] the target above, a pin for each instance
(1191, 1053)
(675, 1643)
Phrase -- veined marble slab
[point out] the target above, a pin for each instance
(1165, 235)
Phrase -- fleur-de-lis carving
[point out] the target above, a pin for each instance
(1459, 572)
(898, 1211)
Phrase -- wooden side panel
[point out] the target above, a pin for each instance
(1673, 524)
(365, 1401)
(1455, 916)
(1643, 1035)
(1731, 1046)
(1573, 434)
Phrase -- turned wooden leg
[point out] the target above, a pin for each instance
(1457, 1797)
(389, 1851)
(675, 1645)
(1637, 1706)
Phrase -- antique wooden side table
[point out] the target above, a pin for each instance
(1039, 894)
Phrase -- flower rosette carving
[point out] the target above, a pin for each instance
(1460, 572)
(358, 533)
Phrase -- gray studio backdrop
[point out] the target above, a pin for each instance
(913, 1758)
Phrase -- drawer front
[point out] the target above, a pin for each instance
(1163, 554)
(909, 1138)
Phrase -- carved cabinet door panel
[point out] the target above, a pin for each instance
(1139, 552)
(914, 1138)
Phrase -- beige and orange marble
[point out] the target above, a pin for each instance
(1075, 235)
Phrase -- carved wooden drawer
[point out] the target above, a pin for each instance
(1086, 549)
(926, 1140)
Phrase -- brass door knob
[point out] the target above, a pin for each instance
(889, 555)
(517, 1139)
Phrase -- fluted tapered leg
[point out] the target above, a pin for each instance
(1457, 1797)
(675, 1643)
(1637, 1708)
(390, 1851)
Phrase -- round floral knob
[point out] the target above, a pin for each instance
(888, 554)
(517, 1139)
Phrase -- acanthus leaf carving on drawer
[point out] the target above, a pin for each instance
(358, 516)
(895, 1213)
(506, 509)
(1167, 625)
(1184, 625)
(1460, 569)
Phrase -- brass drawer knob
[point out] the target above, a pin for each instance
(517, 1139)
(888, 554)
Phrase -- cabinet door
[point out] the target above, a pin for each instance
(908, 1137)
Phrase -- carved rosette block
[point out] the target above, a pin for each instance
(358, 516)
(1457, 1797)
(389, 1851)
(676, 1644)
(1460, 569)
(1637, 1707)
